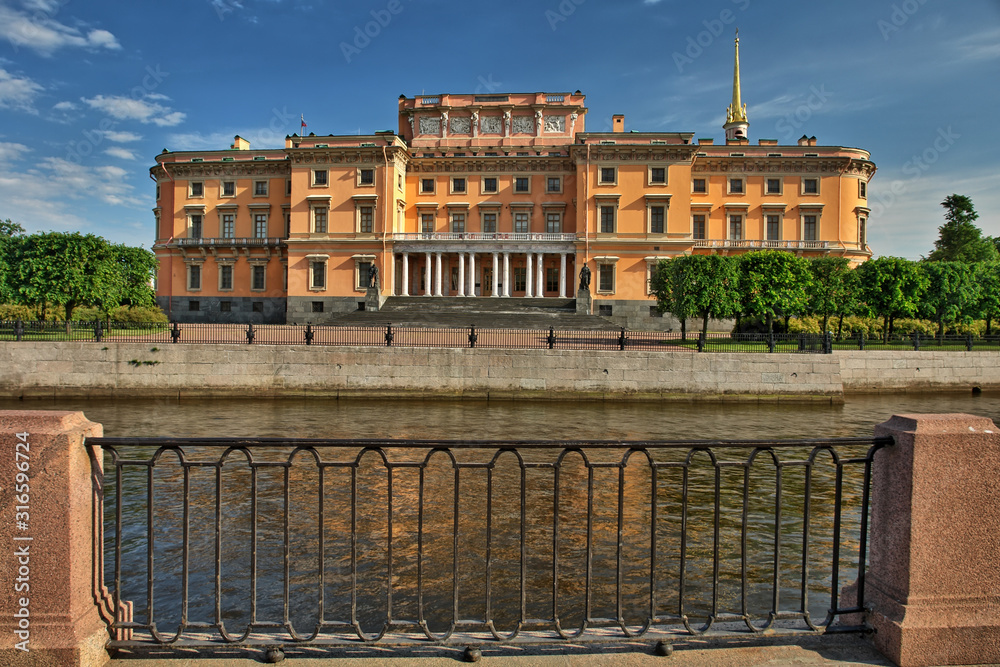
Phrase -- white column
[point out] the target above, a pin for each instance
(527, 275)
(461, 274)
(562, 276)
(437, 274)
(496, 275)
(427, 274)
(506, 274)
(539, 272)
(406, 274)
(472, 274)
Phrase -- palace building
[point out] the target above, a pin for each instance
(493, 196)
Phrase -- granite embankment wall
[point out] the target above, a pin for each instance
(134, 370)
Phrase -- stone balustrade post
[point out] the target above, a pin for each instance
(933, 584)
(52, 605)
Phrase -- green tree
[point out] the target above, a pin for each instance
(987, 276)
(697, 285)
(831, 289)
(891, 287)
(960, 239)
(10, 228)
(773, 284)
(135, 269)
(951, 295)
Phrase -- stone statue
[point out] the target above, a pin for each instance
(475, 123)
(372, 275)
(584, 278)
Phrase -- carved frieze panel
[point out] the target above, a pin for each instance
(492, 125)
(524, 125)
(461, 125)
(430, 125)
(555, 124)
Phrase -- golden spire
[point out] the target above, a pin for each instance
(737, 112)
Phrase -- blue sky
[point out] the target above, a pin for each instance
(91, 91)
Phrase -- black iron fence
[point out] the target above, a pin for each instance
(402, 336)
(280, 542)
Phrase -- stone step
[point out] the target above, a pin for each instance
(487, 304)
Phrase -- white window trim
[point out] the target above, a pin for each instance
(705, 214)
(191, 194)
(600, 173)
(325, 207)
(513, 185)
(267, 188)
(230, 264)
(452, 212)
(222, 190)
(253, 221)
(649, 176)
(361, 282)
(451, 185)
(358, 182)
(781, 186)
(263, 265)
(613, 263)
(729, 225)
(802, 186)
(651, 263)
(818, 213)
(729, 186)
(514, 211)
(201, 274)
(601, 203)
(420, 186)
(557, 191)
(652, 201)
(482, 185)
(781, 224)
(699, 178)
(200, 212)
(554, 211)
(358, 205)
(314, 184)
(483, 212)
(862, 185)
(325, 261)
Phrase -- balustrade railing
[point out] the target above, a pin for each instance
(759, 244)
(483, 236)
(273, 542)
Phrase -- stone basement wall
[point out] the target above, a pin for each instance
(133, 370)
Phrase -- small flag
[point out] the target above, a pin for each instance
(303, 118)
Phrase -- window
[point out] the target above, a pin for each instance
(458, 223)
(605, 311)
(258, 306)
(656, 218)
(317, 274)
(157, 193)
(553, 222)
(809, 227)
(194, 277)
(226, 277)
(608, 175)
(736, 227)
(657, 175)
(196, 226)
(427, 223)
(260, 225)
(228, 188)
(426, 186)
(194, 305)
(489, 185)
(698, 226)
(521, 222)
(361, 275)
(735, 186)
(863, 189)
(228, 225)
(457, 185)
(607, 219)
(862, 232)
(225, 306)
(606, 278)
(257, 274)
(490, 222)
(773, 186)
(366, 177)
(320, 225)
(773, 227)
(317, 306)
(810, 186)
(319, 177)
(522, 184)
(288, 187)
(553, 184)
(288, 224)
(366, 219)
(551, 279)
(260, 188)
(520, 279)
(698, 186)
(197, 189)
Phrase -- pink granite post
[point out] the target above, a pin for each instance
(933, 584)
(50, 602)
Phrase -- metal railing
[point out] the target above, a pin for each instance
(483, 236)
(762, 244)
(272, 542)
(391, 335)
(228, 242)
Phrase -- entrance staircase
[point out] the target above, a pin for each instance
(483, 312)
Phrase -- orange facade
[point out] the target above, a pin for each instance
(485, 196)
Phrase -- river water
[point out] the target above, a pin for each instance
(443, 555)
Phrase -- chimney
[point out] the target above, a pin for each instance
(705, 142)
(812, 140)
(240, 144)
(618, 123)
(803, 140)
(767, 142)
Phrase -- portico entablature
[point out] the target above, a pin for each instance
(516, 247)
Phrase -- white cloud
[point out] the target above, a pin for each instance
(121, 137)
(196, 141)
(10, 151)
(106, 183)
(142, 110)
(979, 46)
(65, 106)
(17, 93)
(45, 35)
(121, 153)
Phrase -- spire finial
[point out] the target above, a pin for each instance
(737, 111)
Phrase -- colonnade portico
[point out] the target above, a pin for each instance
(495, 275)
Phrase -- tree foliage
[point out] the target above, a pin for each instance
(10, 228)
(891, 287)
(833, 288)
(773, 284)
(951, 295)
(987, 277)
(697, 285)
(960, 239)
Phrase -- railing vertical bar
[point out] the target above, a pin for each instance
(683, 560)
(837, 512)
(653, 519)
(185, 545)
(556, 492)
(776, 593)
(716, 540)
(388, 550)
(744, 520)
(354, 547)
(619, 578)
(118, 538)
(420, 546)
(590, 545)
(253, 543)
(489, 545)
(454, 548)
(863, 547)
(150, 542)
(806, 517)
(218, 545)
(286, 552)
(523, 565)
